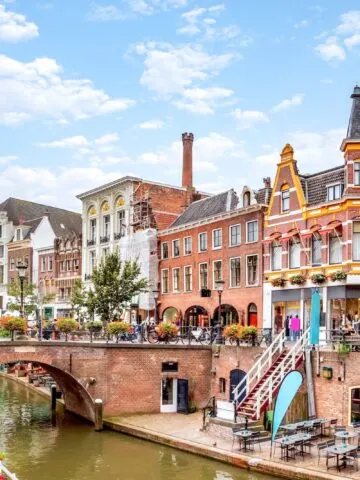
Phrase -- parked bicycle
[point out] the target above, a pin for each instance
(197, 335)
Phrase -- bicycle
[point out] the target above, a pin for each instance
(154, 337)
(200, 335)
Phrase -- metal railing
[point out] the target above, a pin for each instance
(288, 363)
(9, 475)
(258, 370)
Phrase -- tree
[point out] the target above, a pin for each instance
(78, 298)
(115, 283)
(32, 300)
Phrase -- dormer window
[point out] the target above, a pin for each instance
(333, 192)
(246, 199)
(18, 234)
(357, 173)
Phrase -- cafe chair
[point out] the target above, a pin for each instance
(352, 460)
(329, 429)
(312, 417)
(255, 438)
(236, 438)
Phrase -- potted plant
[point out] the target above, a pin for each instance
(166, 330)
(338, 276)
(233, 333)
(298, 279)
(66, 325)
(95, 326)
(249, 333)
(118, 328)
(12, 325)
(278, 282)
(344, 348)
(318, 278)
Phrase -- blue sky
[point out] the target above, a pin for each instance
(94, 90)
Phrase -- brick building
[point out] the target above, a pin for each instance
(216, 238)
(312, 227)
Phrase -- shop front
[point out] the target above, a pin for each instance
(344, 305)
(196, 316)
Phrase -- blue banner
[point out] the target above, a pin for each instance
(288, 388)
(315, 318)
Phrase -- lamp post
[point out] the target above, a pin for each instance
(219, 287)
(21, 268)
(156, 296)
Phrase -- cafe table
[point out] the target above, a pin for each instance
(345, 436)
(288, 441)
(340, 451)
(244, 436)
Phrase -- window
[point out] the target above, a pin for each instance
(92, 261)
(121, 226)
(164, 250)
(356, 242)
(252, 231)
(105, 252)
(252, 270)
(12, 264)
(356, 175)
(76, 264)
(246, 199)
(187, 246)
(217, 238)
(235, 235)
(176, 280)
(217, 271)
(276, 256)
(50, 264)
(165, 281)
(43, 264)
(285, 201)
(68, 265)
(235, 272)
(106, 225)
(62, 266)
(202, 242)
(316, 244)
(333, 192)
(294, 252)
(335, 248)
(1, 231)
(176, 248)
(18, 234)
(1, 251)
(1, 274)
(203, 276)
(188, 278)
(222, 385)
(93, 229)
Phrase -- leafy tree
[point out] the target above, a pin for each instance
(32, 300)
(78, 298)
(115, 283)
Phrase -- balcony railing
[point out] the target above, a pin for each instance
(119, 235)
(91, 242)
(105, 239)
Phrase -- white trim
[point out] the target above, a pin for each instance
(172, 279)
(202, 233)
(229, 242)
(162, 283)
(191, 283)
(282, 215)
(184, 243)
(162, 256)
(207, 276)
(172, 247)
(173, 407)
(257, 270)
(213, 271)
(230, 282)
(212, 238)
(246, 231)
(282, 252)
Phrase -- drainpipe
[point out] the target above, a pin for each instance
(309, 382)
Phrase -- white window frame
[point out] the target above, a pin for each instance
(356, 174)
(213, 272)
(12, 264)
(282, 200)
(172, 247)
(162, 283)
(207, 276)
(247, 231)
(213, 238)
(353, 243)
(206, 242)
(271, 257)
(106, 226)
(18, 233)
(333, 185)
(162, 250)
(313, 264)
(246, 273)
(184, 245)
(191, 281)
(91, 267)
(172, 279)
(339, 238)
(50, 264)
(230, 236)
(91, 236)
(230, 276)
(289, 253)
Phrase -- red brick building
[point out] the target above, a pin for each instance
(216, 238)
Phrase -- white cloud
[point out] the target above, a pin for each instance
(14, 27)
(105, 13)
(289, 102)
(349, 23)
(131, 8)
(69, 142)
(247, 118)
(152, 124)
(107, 138)
(302, 24)
(38, 89)
(5, 159)
(204, 100)
(352, 41)
(331, 50)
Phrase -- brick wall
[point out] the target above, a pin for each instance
(22, 254)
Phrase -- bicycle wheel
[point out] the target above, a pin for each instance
(173, 339)
(205, 338)
(233, 341)
(153, 337)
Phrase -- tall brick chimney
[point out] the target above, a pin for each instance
(187, 176)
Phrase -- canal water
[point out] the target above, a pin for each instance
(39, 447)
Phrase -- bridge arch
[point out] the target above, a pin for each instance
(76, 397)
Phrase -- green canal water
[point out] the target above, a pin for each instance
(65, 448)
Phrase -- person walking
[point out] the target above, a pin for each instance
(287, 327)
(295, 328)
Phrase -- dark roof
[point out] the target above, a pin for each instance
(263, 195)
(314, 185)
(354, 122)
(208, 207)
(62, 221)
(32, 226)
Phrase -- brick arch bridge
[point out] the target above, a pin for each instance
(127, 376)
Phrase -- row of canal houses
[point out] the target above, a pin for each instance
(269, 246)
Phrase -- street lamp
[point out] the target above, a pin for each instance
(21, 268)
(219, 287)
(156, 296)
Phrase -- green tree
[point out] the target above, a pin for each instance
(78, 298)
(115, 283)
(32, 300)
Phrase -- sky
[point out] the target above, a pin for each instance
(94, 90)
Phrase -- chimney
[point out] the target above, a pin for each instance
(267, 182)
(188, 140)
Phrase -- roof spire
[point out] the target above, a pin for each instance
(353, 131)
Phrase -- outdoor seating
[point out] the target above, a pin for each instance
(236, 438)
(321, 450)
(312, 417)
(254, 439)
(351, 460)
(329, 429)
(340, 428)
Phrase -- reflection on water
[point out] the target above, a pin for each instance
(41, 448)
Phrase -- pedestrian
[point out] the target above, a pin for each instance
(278, 321)
(295, 328)
(287, 327)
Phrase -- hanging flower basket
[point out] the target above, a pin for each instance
(318, 278)
(338, 276)
(278, 282)
(297, 279)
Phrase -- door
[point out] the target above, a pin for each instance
(252, 315)
(168, 401)
(182, 396)
(235, 378)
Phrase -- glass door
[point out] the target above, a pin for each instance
(168, 395)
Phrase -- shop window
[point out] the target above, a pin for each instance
(276, 256)
(252, 270)
(222, 385)
(356, 241)
(294, 252)
(316, 245)
(357, 174)
(335, 248)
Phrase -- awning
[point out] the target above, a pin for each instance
(330, 228)
(306, 234)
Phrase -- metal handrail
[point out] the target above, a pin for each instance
(9, 475)
(260, 367)
(267, 388)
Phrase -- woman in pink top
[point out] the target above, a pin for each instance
(295, 328)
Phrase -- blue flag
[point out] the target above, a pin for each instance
(288, 388)
(315, 318)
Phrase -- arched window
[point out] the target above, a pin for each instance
(276, 256)
(120, 217)
(246, 199)
(294, 252)
(316, 244)
(252, 315)
(285, 198)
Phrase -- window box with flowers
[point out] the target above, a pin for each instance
(318, 278)
(297, 279)
(338, 276)
(278, 282)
